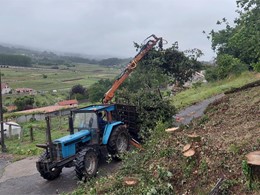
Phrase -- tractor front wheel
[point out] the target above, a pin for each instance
(86, 163)
(47, 174)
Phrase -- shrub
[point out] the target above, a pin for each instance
(228, 65)
(211, 74)
(256, 66)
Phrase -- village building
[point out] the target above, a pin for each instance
(25, 91)
(5, 88)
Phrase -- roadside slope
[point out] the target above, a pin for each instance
(224, 135)
(229, 130)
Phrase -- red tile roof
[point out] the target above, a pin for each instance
(43, 109)
(67, 102)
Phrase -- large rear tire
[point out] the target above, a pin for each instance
(51, 174)
(86, 164)
(118, 142)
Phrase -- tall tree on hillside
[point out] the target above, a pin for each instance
(243, 40)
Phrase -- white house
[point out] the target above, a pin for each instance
(12, 129)
(5, 88)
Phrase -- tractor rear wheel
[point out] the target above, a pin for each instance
(118, 142)
(51, 174)
(86, 163)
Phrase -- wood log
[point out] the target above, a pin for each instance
(189, 153)
(172, 130)
(186, 147)
(130, 181)
(253, 158)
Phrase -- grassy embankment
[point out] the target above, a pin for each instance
(196, 94)
(219, 152)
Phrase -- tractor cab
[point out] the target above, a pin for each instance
(95, 119)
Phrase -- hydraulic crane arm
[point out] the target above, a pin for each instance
(131, 66)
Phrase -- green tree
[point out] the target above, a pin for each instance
(97, 90)
(79, 92)
(179, 65)
(142, 88)
(23, 103)
(243, 40)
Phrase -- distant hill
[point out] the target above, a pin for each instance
(51, 58)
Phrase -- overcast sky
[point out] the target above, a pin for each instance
(109, 27)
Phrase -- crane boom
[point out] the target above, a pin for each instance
(131, 66)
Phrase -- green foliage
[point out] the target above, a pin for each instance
(211, 74)
(97, 90)
(78, 96)
(188, 167)
(78, 91)
(44, 76)
(180, 66)
(150, 107)
(227, 184)
(256, 66)
(203, 120)
(241, 41)
(246, 169)
(234, 148)
(227, 65)
(24, 102)
(203, 168)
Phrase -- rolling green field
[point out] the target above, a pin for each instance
(57, 79)
(44, 80)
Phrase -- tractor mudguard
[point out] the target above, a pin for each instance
(108, 130)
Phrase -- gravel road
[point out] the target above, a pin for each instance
(21, 177)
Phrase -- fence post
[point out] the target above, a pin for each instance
(31, 134)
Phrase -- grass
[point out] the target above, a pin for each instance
(194, 95)
(24, 147)
(58, 79)
(61, 79)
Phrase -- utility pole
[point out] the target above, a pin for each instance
(1, 117)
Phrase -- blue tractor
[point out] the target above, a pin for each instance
(92, 129)
(89, 132)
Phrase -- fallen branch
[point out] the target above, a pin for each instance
(215, 190)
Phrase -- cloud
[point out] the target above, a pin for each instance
(109, 27)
